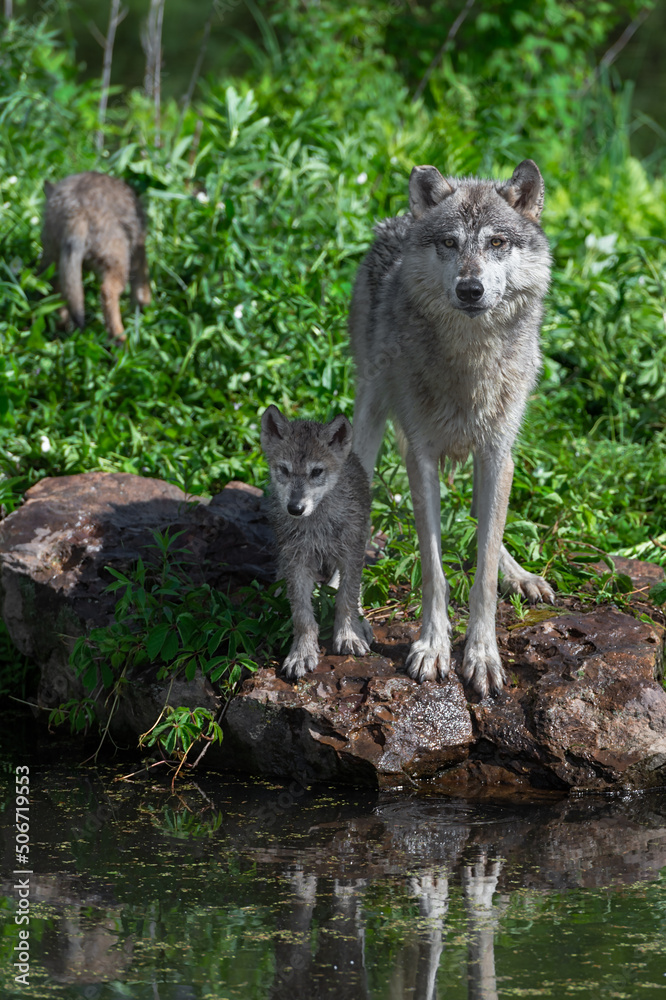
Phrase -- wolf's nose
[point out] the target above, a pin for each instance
(296, 508)
(469, 290)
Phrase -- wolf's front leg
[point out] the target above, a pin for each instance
(351, 633)
(482, 665)
(430, 655)
(304, 652)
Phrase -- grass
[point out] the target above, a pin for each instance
(261, 203)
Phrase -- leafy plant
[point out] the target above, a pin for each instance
(166, 626)
(261, 201)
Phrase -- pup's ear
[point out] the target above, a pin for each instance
(427, 188)
(525, 190)
(339, 435)
(48, 188)
(273, 426)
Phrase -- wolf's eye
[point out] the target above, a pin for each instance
(497, 241)
(449, 242)
(283, 470)
(316, 473)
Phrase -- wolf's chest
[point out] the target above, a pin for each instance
(456, 407)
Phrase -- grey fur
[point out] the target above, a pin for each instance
(320, 510)
(444, 328)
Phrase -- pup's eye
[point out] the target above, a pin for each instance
(449, 242)
(283, 470)
(497, 241)
(316, 473)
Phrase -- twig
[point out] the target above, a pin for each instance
(126, 777)
(221, 714)
(151, 40)
(157, 90)
(159, 717)
(187, 100)
(453, 31)
(30, 704)
(96, 33)
(116, 15)
(611, 54)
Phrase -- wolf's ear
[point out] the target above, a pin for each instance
(525, 190)
(48, 188)
(427, 188)
(273, 425)
(339, 435)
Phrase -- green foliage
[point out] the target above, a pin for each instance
(658, 593)
(261, 200)
(181, 729)
(167, 626)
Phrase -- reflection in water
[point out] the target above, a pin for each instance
(415, 970)
(245, 891)
(479, 885)
(335, 965)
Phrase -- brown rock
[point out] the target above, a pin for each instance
(584, 709)
(351, 720)
(54, 550)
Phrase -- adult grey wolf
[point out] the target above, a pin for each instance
(320, 510)
(96, 221)
(444, 327)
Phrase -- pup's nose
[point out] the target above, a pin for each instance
(469, 290)
(296, 507)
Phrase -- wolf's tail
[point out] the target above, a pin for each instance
(72, 252)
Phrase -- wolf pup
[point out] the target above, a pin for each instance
(320, 510)
(444, 328)
(96, 221)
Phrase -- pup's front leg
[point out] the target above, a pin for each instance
(304, 653)
(351, 633)
(430, 655)
(482, 665)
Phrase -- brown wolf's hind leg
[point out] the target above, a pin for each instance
(112, 288)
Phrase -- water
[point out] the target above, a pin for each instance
(236, 890)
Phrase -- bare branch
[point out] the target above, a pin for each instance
(453, 31)
(97, 34)
(151, 40)
(611, 54)
(199, 63)
(115, 17)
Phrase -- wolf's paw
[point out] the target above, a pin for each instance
(365, 630)
(427, 661)
(534, 588)
(432, 892)
(348, 641)
(482, 666)
(303, 657)
(479, 881)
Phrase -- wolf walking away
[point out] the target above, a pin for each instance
(444, 328)
(320, 510)
(96, 221)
